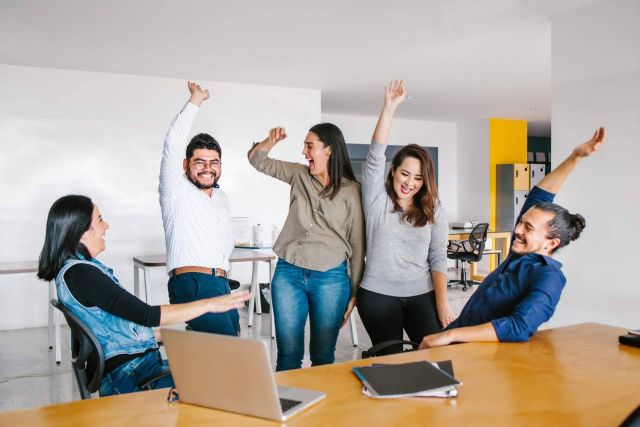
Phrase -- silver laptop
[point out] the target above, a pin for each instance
(232, 374)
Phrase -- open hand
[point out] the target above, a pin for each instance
(198, 94)
(394, 94)
(435, 340)
(589, 147)
(228, 302)
(276, 135)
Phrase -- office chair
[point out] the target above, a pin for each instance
(468, 251)
(87, 358)
(633, 420)
(389, 347)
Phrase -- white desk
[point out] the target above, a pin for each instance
(145, 262)
(54, 316)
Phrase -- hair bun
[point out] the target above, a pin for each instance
(578, 223)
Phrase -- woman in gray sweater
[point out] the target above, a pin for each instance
(405, 281)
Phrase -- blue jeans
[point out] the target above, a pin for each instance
(125, 378)
(323, 296)
(189, 287)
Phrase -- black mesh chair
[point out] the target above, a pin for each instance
(87, 358)
(633, 420)
(468, 251)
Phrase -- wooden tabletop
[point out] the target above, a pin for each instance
(238, 255)
(18, 267)
(577, 375)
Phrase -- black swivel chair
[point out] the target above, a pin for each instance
(633, 420)
(87, 358)
(468, 251)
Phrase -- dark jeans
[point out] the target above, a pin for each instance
(189, 287)
(321, 295)
(384, 317)
(126, 377)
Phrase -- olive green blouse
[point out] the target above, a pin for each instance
(319, 233)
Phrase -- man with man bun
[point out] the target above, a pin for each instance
(522, 293)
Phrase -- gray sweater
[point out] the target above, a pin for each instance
(399, 256)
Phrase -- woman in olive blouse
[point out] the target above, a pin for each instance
(321, 247)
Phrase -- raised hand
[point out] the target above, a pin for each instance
(394, 94)
(589, 147)
(198, 94)
(275, 135)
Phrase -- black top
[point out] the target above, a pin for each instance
(92, 288)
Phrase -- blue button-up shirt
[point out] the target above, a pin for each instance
(521, 294)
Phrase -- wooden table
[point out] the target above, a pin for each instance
(502, 242)
(21, 267)
(572, 376)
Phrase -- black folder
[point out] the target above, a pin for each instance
(405, 379)
(629, 339)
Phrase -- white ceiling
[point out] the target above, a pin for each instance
(460, 59)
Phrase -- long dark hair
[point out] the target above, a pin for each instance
(423, 210)
(564, 226)
(339, 164)
(69, 217)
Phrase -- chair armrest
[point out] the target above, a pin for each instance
(452, 246)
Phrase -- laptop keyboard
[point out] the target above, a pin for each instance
(287, 404)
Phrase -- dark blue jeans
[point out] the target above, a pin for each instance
(125, 378)
(323, 296)
(189, 287)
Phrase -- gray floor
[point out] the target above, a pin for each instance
(30, 377)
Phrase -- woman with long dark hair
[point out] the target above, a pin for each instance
(121, 322)
(321, 247)
(405, 280)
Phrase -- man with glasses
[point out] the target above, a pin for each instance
(197, 218)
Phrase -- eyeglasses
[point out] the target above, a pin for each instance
(200, 164)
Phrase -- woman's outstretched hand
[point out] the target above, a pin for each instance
(394, 94)
(276, 135)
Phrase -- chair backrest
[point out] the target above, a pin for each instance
(478, 238)
(86, 353)
(633, 420)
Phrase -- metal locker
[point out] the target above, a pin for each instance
(537, 172)
(519, 197)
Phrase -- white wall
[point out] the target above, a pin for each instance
(473, 170)
(101, 135)
(596, 82)
(358, 130)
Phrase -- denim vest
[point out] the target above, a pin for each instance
(115, 334)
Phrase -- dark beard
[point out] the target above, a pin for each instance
(205, 187)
